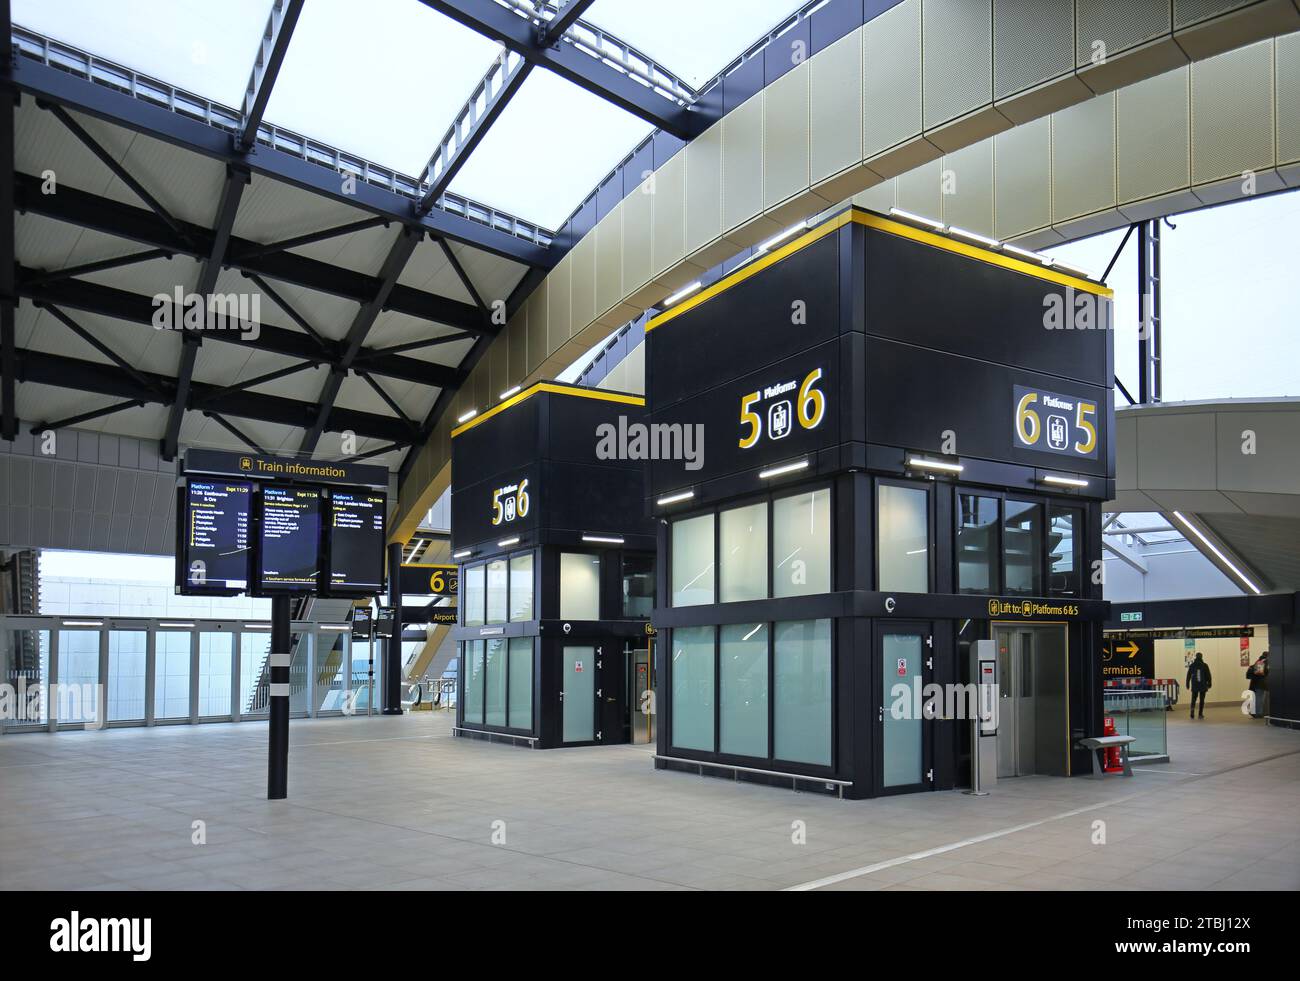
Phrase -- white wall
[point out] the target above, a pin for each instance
(1173, 575)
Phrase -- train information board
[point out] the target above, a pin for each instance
(214, 537)
(289, 540)
(355, 542)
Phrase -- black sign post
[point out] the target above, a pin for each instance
(277, 771)
(393, 645)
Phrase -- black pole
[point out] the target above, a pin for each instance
(393, 645)
(1144, 319)
(277, 772)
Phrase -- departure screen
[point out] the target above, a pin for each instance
(214, 539)
(356, 541)
(290, 539)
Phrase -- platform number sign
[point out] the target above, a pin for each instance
(785, 405)
(510, 502)
(1053, 423)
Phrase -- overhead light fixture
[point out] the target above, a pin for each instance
(463, 554)
(776, 240)
(992, 243)
(511, 391)
(1025, 253)
(927, 464)
(335, 627)
(257, 626)
(1052, 478)
(1211, 546)
(683, 293)
(783, 469)
(507, 542)
(467, 416)
(603, 539)
(675, 498)
(83, 623)
(938, 226)
(174, 626)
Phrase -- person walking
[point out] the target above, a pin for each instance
(1198, 682)
(1257, 676)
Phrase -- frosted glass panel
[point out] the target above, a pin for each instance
(801, 544)
(496, 591)
(473, 594)
(579, 586)
(521, 683)
(692, 572)
(126, 675)
(742, 653)
(692, 674)
(901, 746)
(579, 723)
(78, 677)
(494, 713)
(472, 664)
(216, 661)
(801, 667)
(171, 673)
(742, 553)
(521, 586)
(903, 533)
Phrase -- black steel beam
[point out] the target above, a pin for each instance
(108, 410)
(402, 249)
(566, 15)
(78, 207)
(108, 301)
(514, 78)
(81, 95)
(97, 378)
(234, 430)
(96, 343)
(413, 346)
(465, 281)
(270, 56)
(388, 400)
(311, 238)
(505, 27)
(8, 256)
(268, 290)
(256, 380)
(71, 272)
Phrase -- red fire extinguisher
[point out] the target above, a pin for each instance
(1113, 764)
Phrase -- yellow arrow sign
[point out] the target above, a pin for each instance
(1130, 649)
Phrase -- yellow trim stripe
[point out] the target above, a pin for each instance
(554, 388)
(424, 565)
(893, 228)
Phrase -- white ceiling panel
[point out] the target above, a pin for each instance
(429, 270)
(495, 278)
(271, 211)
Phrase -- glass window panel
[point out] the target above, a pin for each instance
(977, 523)
(496, 591)
(26, 660)
(521, 586)
(474, 594)
(126, 674)
(254, 648)
(692, 572)
(76, 699)
(579, 586)
(1022, 548)
(742, 553)
(801, 667)
(742, 653)
(521, 683)
(494, 680)
(1062, 543)
(171, 691)
(692, 672)
(216, 661)
(903, 537)
(473, 661)
(801, 544)
(638, 586)
(334, 652)
(901, 732)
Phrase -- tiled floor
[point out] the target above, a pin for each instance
(396, 803)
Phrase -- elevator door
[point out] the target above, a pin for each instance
(1032, 730)
(578, 694)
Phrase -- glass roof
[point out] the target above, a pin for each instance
(207, 48)
(693, 40)
(384, 79)
(547, 150)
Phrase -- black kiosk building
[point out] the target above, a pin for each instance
(906, 449)
(556, 570)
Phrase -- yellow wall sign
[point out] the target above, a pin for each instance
(1028, 609)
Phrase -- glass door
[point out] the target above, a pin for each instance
(171, 689)
(903, 729)
(578, 693)
(127, 657)
(77, 698)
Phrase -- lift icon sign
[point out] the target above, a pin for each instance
(778, 420)
(1057, 430)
